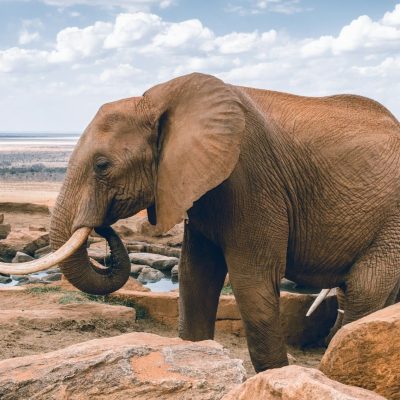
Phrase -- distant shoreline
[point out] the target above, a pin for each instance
(35, 157)
(33, 167)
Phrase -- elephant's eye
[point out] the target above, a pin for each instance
(101, 165)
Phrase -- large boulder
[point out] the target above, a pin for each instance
(4, 279)
(143, 247)
(130, 366)
(5, 229)
(366, 353)
(80, 313)
(21, 257)
(297, 383)
(157, 261)
(23, 240)
(148, 274)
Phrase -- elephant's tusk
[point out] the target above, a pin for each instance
(320, 298)
(78, 238)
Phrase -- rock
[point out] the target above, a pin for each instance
(156, 261)
(175, 241)
(296, 383)
(149, 274)
(124, 231)
(136, 269)
(175, 271)
(25, 241)
(143, 247)
(53, 270)
(74, 314)
(39, 228)
(160, 306)
(134, 284)
(42, 240)
(54, 277)
(21, 257)
(136, 365)
(20, 278)
(1, 218)
(163, 250)
(137, 247)
(97, 254)
(6, 251)
(301, 330)
(366, 353)
(5, 229)
(37, 279)
(42, 251)
(5, 279)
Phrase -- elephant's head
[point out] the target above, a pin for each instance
(161, 151)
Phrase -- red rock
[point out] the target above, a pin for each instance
(297, 383)
(138, 366)
(366, 353)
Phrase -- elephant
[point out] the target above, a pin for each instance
(269, 184)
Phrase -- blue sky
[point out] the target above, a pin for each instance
(61, 59)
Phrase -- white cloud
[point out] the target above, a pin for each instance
(85, 67)
(121, 72)
(241, 42)
(389, 67)
(129, 28)
(26, 37)
(131, 5)
(190, 32)
(361, 33)
(17, 59)
(251, 7)
(392, 18)
(75, 43)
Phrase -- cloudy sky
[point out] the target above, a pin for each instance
(61, 59)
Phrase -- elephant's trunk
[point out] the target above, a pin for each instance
(80, 270)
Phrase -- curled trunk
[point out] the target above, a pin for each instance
(82, 272)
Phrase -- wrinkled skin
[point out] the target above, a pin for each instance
(274, 185)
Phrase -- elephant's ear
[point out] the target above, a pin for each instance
(200, 124)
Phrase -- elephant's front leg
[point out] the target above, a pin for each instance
(255, 283)
(202, 271)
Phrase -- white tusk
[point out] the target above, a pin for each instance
(77, 239)
(320, 298)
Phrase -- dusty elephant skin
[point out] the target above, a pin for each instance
(366, 353)
(131, 366)
(273, 185)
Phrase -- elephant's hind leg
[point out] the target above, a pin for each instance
(202, 272)
(372, 282)
(255, 283)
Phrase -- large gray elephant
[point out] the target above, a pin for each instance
(273, 185)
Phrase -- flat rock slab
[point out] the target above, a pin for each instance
(156, 261)
(70, 312)
(130, 366)
(297, 383)
(366, 353)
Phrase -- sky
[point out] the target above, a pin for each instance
(60, 60)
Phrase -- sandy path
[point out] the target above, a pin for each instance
(30, 192)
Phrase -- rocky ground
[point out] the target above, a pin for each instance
(31, 334)
(41, 315)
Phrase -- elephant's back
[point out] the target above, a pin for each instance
(304, 116)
